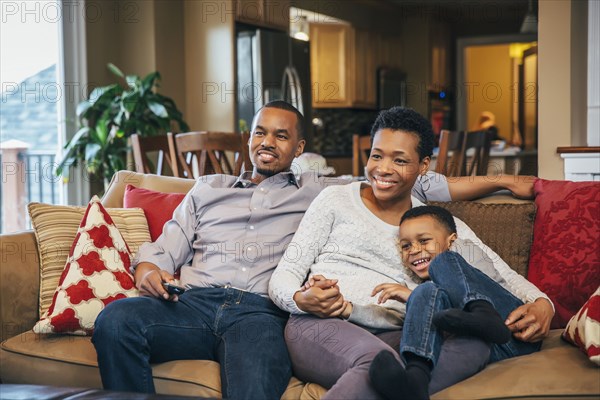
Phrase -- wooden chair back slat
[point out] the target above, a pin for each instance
(213, 153)
(361, 147)
(142, 146)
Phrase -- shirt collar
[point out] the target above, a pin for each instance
(287, 177)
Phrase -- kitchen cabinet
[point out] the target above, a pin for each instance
(344, 63)
(274, 14)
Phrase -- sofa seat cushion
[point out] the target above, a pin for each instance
(559, 370)
(60, 360)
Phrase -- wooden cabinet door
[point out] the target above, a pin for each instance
(390, 51)
(250, 11)
(273, 14)
(331, 64)
(277, 14)
(364, 81)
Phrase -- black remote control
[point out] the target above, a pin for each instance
(173, 289)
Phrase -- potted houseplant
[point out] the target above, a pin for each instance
(113, 113)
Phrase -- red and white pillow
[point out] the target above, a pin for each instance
(565, 253)
(583, 330)
(96, 273)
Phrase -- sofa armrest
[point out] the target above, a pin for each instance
(19, 283)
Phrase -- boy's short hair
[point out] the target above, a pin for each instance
(440, 214)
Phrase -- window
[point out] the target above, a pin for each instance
(38, 98)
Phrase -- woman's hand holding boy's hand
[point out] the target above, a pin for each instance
(393, 291)
(322, 297)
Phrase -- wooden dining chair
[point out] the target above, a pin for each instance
(151, 154)
(450, 158)
(481, 143)
(208, 152)
(361, 147)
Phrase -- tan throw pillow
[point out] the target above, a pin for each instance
(55, 229)
(505, 228)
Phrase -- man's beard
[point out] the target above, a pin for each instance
(267, 172)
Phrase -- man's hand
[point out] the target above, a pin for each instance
(321, 297)
(393, 291)
(531, 322)
(149, 280)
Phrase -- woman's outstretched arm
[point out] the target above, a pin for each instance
(473, 187)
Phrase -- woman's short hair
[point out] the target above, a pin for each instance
(407, 120)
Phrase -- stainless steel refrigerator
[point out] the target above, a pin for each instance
(273, 66)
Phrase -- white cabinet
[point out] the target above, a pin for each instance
(582, 166)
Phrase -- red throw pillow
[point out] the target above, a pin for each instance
(157, 206)
(565, 254)
(96, 273)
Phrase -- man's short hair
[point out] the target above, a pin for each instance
(441, 215)
(408, 120)
(284, 105)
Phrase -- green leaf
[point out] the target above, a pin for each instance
(92, 152)
(115, 70)
(77, 137)
(83, 107)
(101, 94)
(148, 81)
(69, 157)
(130, 101)
(133, 81)
(102, 131)
(158, 109)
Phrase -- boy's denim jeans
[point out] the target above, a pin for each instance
(241, 330)
(454, 283)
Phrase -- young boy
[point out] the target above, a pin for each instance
(459, 298)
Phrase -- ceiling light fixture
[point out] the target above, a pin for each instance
(530, 23)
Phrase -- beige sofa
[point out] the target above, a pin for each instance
(559, 370)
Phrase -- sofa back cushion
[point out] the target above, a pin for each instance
(505, 228)
(166, 184)
(565, 257)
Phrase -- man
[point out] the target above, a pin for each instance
(233, 230)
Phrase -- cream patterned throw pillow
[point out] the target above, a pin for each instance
(583, 330)
(55, 229)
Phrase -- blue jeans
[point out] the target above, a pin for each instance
(240, 330)
(454, 283)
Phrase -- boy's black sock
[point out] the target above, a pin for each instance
(394, 382)
(479, 318)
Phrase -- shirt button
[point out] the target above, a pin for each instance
(248, 248)
(255, 208)
(262, 189)
(244, 269)
(251, 227)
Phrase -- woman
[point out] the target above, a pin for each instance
(349, 236)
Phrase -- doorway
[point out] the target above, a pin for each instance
(497, 75)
